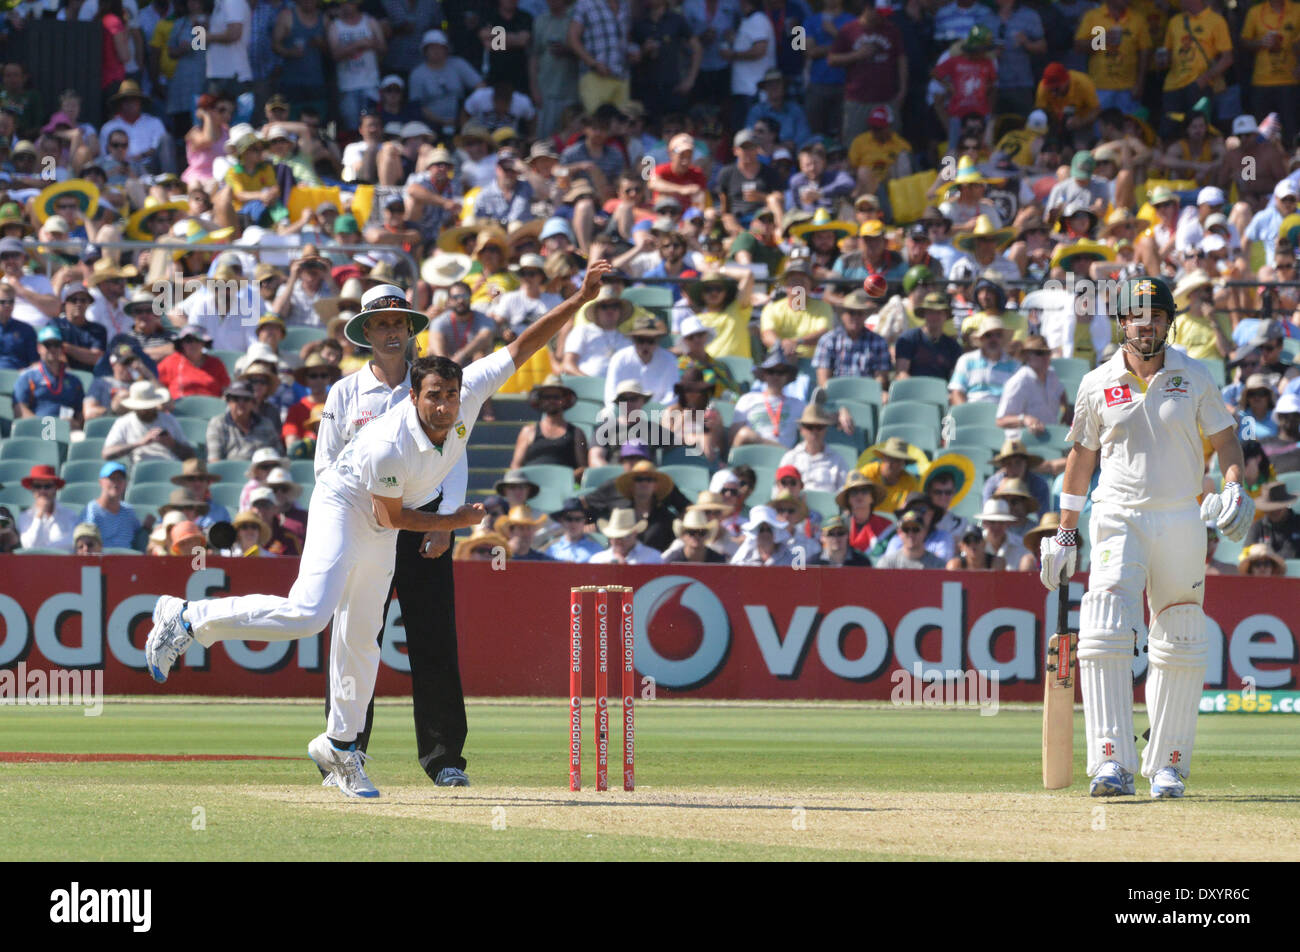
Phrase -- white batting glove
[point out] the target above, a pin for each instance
(1232, 510)
(1059, 557)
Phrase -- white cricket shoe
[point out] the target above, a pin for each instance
(451, 777)
(329, 781)
(168, 639)
(1166, 784)
(1111, 780)
(345, 765)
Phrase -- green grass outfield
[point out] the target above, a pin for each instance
(750, 781)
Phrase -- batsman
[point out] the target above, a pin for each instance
(1141, 415)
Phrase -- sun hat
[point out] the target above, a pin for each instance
(182, 498)
(856, 481)
(184, 532)
(552, 382)
(1274, 496)
(42, 473)
(1016, 488)
(622, 522)
(696, 517)
(383, 299)
(663, 482)
(761, 516)
(521, 515)
(144, 395)
(995, 510)
(516, 477)
(249, 517)
(194, 467)
(263, 456)
(481, 538)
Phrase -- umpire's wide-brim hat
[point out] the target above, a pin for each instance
(382, 299)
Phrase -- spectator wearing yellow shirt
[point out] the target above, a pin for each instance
(1118, 46)
(1272, 30)
(1199, 331)
(1021, 145)
(722, 301)
(250, 188)
(1199, 52)
(889, 470)
(880, 153)
(796, 322)
(1070, 100)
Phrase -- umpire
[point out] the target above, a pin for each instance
(422, 574)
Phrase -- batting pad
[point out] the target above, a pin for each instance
(1177, 648)
(1106, 679)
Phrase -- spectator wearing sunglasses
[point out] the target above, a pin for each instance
(574, 545)
(911, 552)
(46, 525)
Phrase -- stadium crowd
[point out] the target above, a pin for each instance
(863, 257)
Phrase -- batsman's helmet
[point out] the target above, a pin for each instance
(1139, 296)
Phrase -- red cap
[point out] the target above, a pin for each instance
(1056, 75)
(878, 118)
(784, 472)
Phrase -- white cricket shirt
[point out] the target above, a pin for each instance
(1149, 435)
(392, 456)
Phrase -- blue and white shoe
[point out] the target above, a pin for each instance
(347, 767)
(1111, 780)
(1166, 784)
(168, 639)
(329, 781)
(451, 777)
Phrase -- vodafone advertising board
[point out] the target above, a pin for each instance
(707, 631)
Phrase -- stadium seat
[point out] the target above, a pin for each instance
(148, 495)
(757, 455)
(121, 550)
(36, 428)
(860, 389)
(656, 297)
(299, 336)
(229, 358)
(204, 408)
(14, 470)
(726, 410)
(76, 495)
(98, 428)
(230, 470)
(79, 471)
(551, 477)
(1290, 480)
(925, 389)
(924, 438)
(549, 500)
(1291, 350)
(33, 450)
(1052, 443)
(822, 502)
(984, 413)
(970, 503)
(15, 497)
(909, 411)
(1228, 551)
(742, 369)
(195, 430)
(1293, 568)
(7, 380)
(587, 388)
(691, 480)
(991, 436)
(40, 551)
(495, 457)
(227, 494)
(85, 377)
(682, 456)
(155, 471)
(865, 418)
(513, 407)
(303, 471)
(85, 449)
(851, 445)
(584, 413)
(1217, 370)
(594, 476)
(1070, 370)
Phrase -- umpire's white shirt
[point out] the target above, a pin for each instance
(353, 402)
(1149, 435)
(392, 457)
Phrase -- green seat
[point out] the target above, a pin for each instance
(1071, 371)
(650, 296)
(512, 407)
(551, 477)
(924, 438)
(148, 495)
(15, 497)
(984, 413)
(34, 451)
(757, 455)
(195, 430)
(850, 445)
(726, 410)
(76, 495)
(741, 368)
(40, 428)
(909, 411)
(1051, 443)
(297, 337)
(977, 453)
(80, 470)
(1290, 480)
(822, 502)
(121, 550)
(155, 471)
(85, 377)
(691, 480)
(229, 358)
(7, 380)
(594, 476)
(1293, 568)
(86, 449)
(227, 494)
(764, 485)
(925, 389)
(204, 408)
(585, 413)
(861, 389)
(303, 471)
(230, 470)
(13, 470)
(682, 456)
(587, 388)
(98, 428)
(39, 551)
(990, 436)
(865, 418)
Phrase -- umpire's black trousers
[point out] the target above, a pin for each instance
(426, 590)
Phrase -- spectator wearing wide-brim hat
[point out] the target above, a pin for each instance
(885, 463)
(248, 545)
(592, 344)
(770, 416)
(481, 544)
(624, 530)
(1048, 523)
(573, 544)
(646, 489)
(1255, 405)
(46, 524)
(516, 488)
(186, 538)
(520, 527)
(997, 519)
(1278, 524)
(721, 300)
(821, 468)
(188, 503)
(644, 361)
(766, 540)
(1259, 559)
(1015, 492)
(1014, 460)
(696, 533)
(241, 431)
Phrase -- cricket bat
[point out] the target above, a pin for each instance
(1058, 698)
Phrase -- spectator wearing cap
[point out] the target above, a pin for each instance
(47, 389)
(317, 375)
(693, 338)
(17, 339)
(506, 199)
(264, 462)
(1070, 100)
(308, 283)
(46, 524)
(288, 523)
(241, 431)
(433, 197)
(690, 418)
(981, 375)
(836, 552)
(769, 416)
(1254, 164)
(440, 83)
(1192, 228)
(1034, 395)
(84, 341)
(573, 545)
(927, 351)
(879, 153)
(1267, 223)
(912, 551)
(1080, 188)
(850, 349)
(391, 103)
(86, 540)
(818, 467)
(35, 301)
(746, 186)
(776, 107)
(107, 390)
(679, 177)
(935, 540)
(1283, 450)
(1279, 528)
(795, 322)
(644, 362)
(147, 333)
(1255, 409)
(116, 521)
(146, 430)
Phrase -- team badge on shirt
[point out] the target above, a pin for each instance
(1177, 387)
(388, 480)
(1118, 395)
(460, 429)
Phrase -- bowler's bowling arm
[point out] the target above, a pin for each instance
(1078, 477)
(390, 514)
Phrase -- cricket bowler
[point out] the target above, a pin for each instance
(1141, 415)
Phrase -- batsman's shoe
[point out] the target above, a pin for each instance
(1112, 780)
(168, 639)
(345, 765)
(329, 781)
(451, 777)
(1166, 784)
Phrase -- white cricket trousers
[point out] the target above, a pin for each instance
(346, 571)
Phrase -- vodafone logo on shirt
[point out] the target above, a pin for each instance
(1118, 394)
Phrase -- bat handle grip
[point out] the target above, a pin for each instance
(1063, 604)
